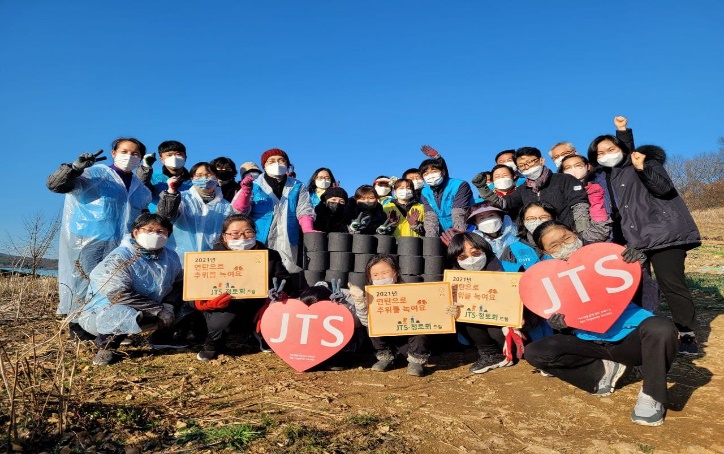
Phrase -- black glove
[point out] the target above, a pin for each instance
(557, 322)
(480, 180)
(631, 255)
(149, 159)
(276, 292)
(88, 159)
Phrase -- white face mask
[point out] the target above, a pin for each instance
(511, 164)
(382, 190)
(558, 162)
(151, 241)
(503, 184)
(473, 263)
(322, 184)
(385, 281)
(403, 194)
(578, 173)
(126, 162)
(567, 250)
(242, 244)
(533, 173)
(530, 226)
(611, 159)
(490, 225)
(174, 162)
(418, 184)
(433, 179)
(276, 170)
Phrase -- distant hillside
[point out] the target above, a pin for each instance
(8, 261)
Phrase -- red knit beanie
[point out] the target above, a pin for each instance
(273, 152)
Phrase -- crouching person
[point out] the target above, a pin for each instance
(136, 288)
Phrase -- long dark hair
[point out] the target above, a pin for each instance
(520, 222)
(457, 246)
(230, 220)
(312, 186)
(593, 148)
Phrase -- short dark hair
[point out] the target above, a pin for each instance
(144, 219)
(527, 151)
(457, 246)
(428, 164)
(388, 259)
(520, 222)
(230, 220)
(315, 294)
(407, 172)
(504, 152)
(312, 185)
(364, 190)
(593, 148)
(223, 161)
(196, 166)
(503, 166)
(139, 144)
(171, 145)
(545, 227)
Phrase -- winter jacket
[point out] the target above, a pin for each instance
(377, 213)
(403, 226)
(326, 221)
(506, 238)
(647, 211)
(446, 205)
(157, 182)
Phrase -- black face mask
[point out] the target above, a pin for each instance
(225, 175)
(366, 206)
(335, 206)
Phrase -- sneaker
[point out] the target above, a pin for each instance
(688, 345)
(105, 357)
(206, 355)
(612, 373)
(263, 346)
(488, 362)
(415, 369)
(648, 412)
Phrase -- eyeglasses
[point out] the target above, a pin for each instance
(237, 235)
(163, 232)
(568, 239)
(204, 175)
(543, 218)
(579, 165)
(528, 164)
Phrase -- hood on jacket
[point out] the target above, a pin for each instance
(652, 152)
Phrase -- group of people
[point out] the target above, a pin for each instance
(126, 227)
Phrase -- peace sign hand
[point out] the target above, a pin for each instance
(88, 159)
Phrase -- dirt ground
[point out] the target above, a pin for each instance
(253, 402)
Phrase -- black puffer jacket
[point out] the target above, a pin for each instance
(646, 206)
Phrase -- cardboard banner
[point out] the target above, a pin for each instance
(242, 274)
(489, 297)
(591, 289)
(304, 336)
(409, 309)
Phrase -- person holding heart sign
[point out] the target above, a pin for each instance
(592, 361)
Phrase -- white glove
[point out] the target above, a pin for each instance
(453, 310)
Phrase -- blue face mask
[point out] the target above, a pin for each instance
(204, 183)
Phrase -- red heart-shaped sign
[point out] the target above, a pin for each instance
(592, 288)
(304, 336)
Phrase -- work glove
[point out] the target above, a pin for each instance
(276, 292)
(448, 235)
(513, 336)
(247, 182)
(148, 160)
(389, 224)
(453, 310)
(557, 322)
(413, 216)
(360, 303)
(220, 302)
(360, 222)
(430, 152)
(631, 255)
(88, 159)
(173, 185)
(337, 296)
(166, 317)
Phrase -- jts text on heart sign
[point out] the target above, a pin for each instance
(592, 288)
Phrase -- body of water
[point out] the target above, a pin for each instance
(40, 272)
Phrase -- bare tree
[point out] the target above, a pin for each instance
(36, 242)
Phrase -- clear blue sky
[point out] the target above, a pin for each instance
(354, 86)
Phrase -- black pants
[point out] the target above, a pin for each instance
(416, 346)
(668, 265)
(652, 345)
(218, 322)
(485, 337)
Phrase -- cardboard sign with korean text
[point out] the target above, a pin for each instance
(409, 309)
(242, 274)
(488, 297)
(592, 288)
(304, 336)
